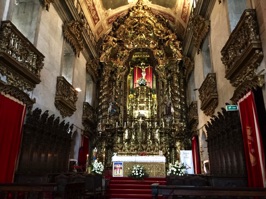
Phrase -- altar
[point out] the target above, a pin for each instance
(154, 165)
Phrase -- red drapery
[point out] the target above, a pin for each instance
(195, 154)
(252, 141)
(11, 120)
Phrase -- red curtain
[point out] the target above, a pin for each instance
(195, 154)
(11, 120)
(254, 152)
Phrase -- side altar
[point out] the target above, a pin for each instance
(153, 164)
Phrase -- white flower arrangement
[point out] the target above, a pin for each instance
(177, 169)
(138, 172)
(97, 167)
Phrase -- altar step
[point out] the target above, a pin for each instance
(128, 188)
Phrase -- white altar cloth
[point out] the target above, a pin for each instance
(153, 164)
(148, 158)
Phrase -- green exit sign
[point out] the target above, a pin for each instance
(231, 108)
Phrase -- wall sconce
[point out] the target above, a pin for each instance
(78, 89)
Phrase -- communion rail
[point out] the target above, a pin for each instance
(172, 192)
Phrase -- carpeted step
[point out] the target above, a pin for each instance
(126, 191)
(126, 188)
(135, 196)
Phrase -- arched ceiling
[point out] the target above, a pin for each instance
(102, 13)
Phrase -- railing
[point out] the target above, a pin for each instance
(21, 62)
(172, 191)
(242, 53)
(65, 97)
(208, 94)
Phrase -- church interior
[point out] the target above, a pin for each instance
(125, 82)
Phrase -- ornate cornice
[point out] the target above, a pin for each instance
(65, 97)
(200, 27)
(73, 34)
(18, 94)
(257, 81)
(208, 94)
(139, 30)
(203, 8)
(20, 61)
(74, 11)
(242, 53)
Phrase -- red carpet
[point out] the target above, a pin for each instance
(124, 187)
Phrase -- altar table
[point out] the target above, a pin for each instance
(154, 165)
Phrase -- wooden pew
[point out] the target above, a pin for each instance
(21, 191)
(172, 191)
(42, 191)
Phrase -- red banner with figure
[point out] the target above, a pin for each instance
(254, 153)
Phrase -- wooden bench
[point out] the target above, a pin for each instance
(172, 191)
(21, 191)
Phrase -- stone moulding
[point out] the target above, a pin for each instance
(208, 94)
(65, 97)
(20, 61)
(242, 53)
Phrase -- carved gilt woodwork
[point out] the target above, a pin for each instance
(154, 169)
(73, 34)
(242, 53)
(20, 61)
(208, 94)
(142, 114)
(65, 97)
(200, 28)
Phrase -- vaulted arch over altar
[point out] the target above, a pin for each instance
(142, 97)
